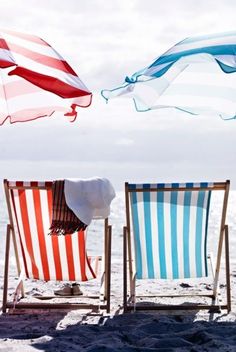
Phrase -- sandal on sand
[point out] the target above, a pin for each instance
(76, 291)
(69, 290)
(65, 291)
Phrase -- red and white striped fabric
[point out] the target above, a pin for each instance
(45, 257)
(36, 80)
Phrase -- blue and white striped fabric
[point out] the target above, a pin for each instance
(197, 75)
(170, 230)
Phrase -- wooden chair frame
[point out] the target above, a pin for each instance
(103, 300)
(129, 296)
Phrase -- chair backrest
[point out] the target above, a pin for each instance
(169, 223)
(45, 257)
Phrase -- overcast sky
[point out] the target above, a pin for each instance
(104, 41)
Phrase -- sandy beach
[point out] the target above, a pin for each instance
(138, 331)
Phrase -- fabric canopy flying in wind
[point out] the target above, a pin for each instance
(197, 75)
(36, 80)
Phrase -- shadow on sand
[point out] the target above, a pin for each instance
(123, 332)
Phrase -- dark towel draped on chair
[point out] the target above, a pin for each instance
(64, 220)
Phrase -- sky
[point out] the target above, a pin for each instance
(104, 41)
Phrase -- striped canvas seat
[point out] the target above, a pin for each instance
(46, 257)
(170, 230)
(167, 230)
(43, 256)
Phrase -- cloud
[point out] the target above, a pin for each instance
(125, 141)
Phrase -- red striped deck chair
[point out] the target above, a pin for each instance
(40, 256)
(166, 238)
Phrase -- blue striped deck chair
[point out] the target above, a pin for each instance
(165, 237)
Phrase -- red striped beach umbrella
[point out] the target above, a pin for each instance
(36, 81)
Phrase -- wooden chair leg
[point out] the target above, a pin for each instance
(125, 269)
(6, 269)
(227, 268)
(217, 296)
(218, 263)
(108, 270)
(133, 294)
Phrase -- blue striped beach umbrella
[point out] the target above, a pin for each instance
(197, 75)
